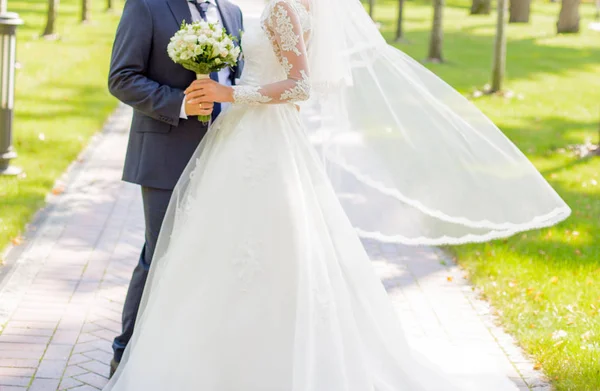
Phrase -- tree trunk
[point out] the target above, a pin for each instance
(481, 7)
(399, 32)
(568, 19)
(50, 29)
(85, 11)
(371, 8)
(437, 33)
(499, 65)
(597, 9)
(519, 11)
(109, 5)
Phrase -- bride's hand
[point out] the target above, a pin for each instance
(207, 90)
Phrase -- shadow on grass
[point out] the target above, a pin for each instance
(541, 137)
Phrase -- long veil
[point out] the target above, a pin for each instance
(411, 159)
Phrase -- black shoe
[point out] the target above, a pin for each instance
(114, 364)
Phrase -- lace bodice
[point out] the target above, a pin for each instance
(276, 67)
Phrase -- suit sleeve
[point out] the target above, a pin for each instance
(127, 79)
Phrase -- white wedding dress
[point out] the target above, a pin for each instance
(260, 282)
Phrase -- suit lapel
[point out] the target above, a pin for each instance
(229, 21)
(225, 16)
(180, 10)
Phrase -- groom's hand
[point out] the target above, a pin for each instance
(198, 108)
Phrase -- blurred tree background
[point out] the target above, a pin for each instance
(63, 53)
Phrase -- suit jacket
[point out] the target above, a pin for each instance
(143, 76)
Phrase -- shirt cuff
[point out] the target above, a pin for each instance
(182, 113)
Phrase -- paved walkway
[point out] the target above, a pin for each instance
(62, 292)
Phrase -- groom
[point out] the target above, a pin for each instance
(162, 138)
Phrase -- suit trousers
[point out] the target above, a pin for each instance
(156, 202)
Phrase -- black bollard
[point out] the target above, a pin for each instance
(8, 28)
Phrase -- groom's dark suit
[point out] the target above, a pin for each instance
(160, 143)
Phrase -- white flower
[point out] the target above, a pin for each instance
(559, 334)
(204, 44)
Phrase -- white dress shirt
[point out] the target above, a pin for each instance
(212, 16)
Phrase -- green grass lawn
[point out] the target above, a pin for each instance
(544, 281)
(61, 100)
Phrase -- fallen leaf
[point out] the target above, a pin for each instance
(537, 366)
(530, 290)
(58, 190)
(450, 278)
(17, 241)
(554, 280)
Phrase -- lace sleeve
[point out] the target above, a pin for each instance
(284, 28)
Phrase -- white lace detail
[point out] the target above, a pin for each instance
(278, 24)
(195, 170)
(555, 216)
(259, 165)
(246, 264)
(285, 63)
(286, 24)
(323, 305)
(249, 95)
(300, 92)
(285, 30)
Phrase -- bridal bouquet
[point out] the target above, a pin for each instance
(202, 48)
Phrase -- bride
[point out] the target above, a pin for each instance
(259, 277)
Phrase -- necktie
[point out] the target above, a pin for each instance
(202, 7)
